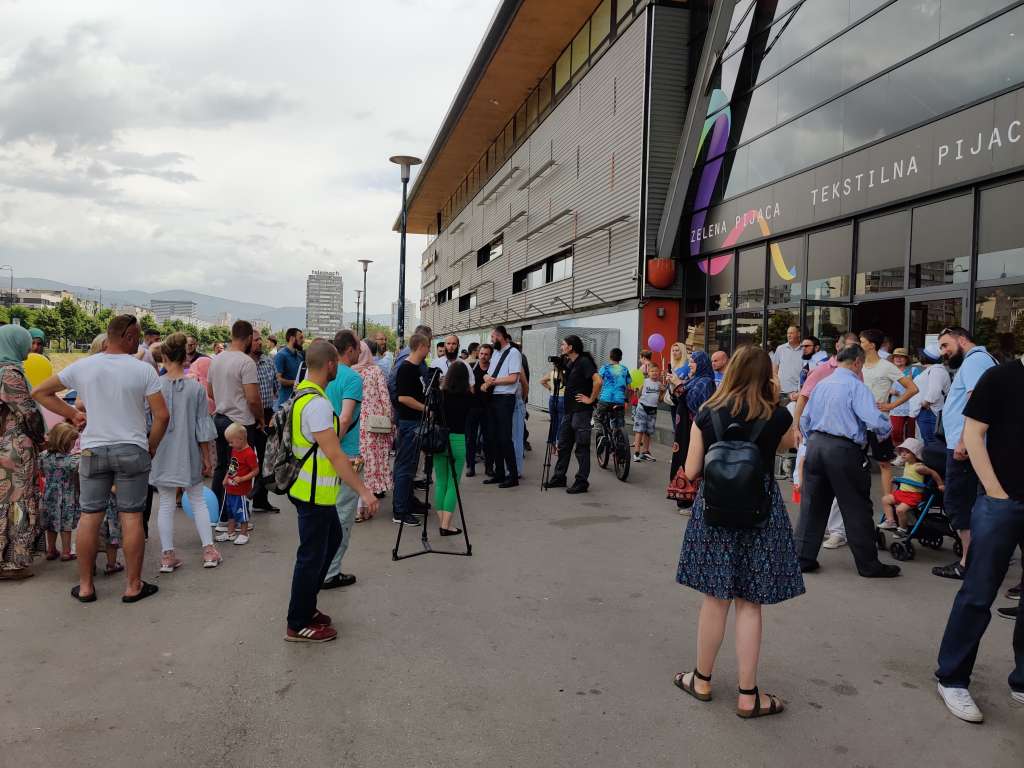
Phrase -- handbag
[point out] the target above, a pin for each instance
(435, 440)
(681, 488)
(378, 424)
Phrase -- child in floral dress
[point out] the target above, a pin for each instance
(59, 465)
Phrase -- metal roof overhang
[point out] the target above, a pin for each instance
(521, 43)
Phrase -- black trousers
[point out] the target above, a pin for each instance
(835, 468)
(474, 417)
(575, 431)
(504, 455)
(259, 442)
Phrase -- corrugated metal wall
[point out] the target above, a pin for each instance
(595, 137)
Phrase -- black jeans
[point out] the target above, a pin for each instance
(575, 430)
(473, 419)
(319, 538)
(503, 408)
(222, 422)
(259, 443)
(997, 528)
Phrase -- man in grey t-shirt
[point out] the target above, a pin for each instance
(234, 387)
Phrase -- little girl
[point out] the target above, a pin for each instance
(60, 499)
(184, 456)
(906, 497)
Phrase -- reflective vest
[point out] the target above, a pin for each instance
(317, 471)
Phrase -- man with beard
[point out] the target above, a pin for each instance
(192, 352)
(502, 381)
(970, 361)
(287, 363)
(451, 354)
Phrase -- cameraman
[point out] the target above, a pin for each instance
(582, 387)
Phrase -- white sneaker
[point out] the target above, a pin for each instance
(960, 703)
(835, 541)
(221, 527)
(1017, 696)
(887, 525)
(647, 457)
(241, 539)
(637, 458)
(224, 536)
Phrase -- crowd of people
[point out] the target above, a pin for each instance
(337, 425)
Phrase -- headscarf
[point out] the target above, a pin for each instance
(365, 356)
(37, 333)
(15, 344)
(702, 385)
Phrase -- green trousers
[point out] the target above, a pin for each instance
(445, 478)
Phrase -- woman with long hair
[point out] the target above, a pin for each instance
(21, 438)
(373, 446)
(457, 401)
(699, 388)
(745, 567)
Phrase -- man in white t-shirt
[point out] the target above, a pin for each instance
(933, 385)
(233, 385)
(788, 361)
(502, 381)
(115, 387)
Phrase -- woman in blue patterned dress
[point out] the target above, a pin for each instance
(749, 567)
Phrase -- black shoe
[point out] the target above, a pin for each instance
(1013, 593)
(492, 480)
(470, 473)
(380, 494)
(577, 488)
(268, 507)
(451, 531)
(1009, 612)
(951, 571)
(510, 483)
(341, 580)
(489, 472)
(410, 520)
(809, 566)
(881, 571)
(420, 485)
(555, 482)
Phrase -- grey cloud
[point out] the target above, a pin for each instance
(63, 184)
(174, 177)
(219, 101)
(140, 160)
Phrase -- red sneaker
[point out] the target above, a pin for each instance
(311, 634)
(320, 620)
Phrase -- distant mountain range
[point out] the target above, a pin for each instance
(208, 307)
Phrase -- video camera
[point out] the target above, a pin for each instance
(558, 361)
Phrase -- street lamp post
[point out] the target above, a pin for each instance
(359, 295)
(10, 295)
(366, 263)
(406, 162)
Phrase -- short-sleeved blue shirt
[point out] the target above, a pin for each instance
(614, 380)
(347, 385)
(975, 363)
(287, 362)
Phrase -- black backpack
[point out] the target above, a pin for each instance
(735, 487)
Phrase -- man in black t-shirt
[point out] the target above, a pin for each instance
(582, 387)
(994, 438)
(476, 424)
(410, 398)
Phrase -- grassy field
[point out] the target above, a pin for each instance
(62, 360)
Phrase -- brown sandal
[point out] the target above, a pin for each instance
(681, 684)
(776, 706)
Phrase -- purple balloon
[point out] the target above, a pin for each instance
(656, 342)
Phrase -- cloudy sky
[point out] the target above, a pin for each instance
(223, 146)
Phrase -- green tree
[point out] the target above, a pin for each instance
(72, 319)
(49, 322)
(24, 315)
(372, 329)
(148, 323)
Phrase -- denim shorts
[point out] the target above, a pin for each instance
(124, 465)
(644, 422)
(961, 492)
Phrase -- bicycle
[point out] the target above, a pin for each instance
(611, 440)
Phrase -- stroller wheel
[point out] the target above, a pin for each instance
(902, 550)
(932, 542)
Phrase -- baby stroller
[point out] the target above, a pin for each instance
(931, 526)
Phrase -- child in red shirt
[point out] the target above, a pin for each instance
(238, 484)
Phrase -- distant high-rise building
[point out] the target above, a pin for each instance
(411, 316)
(164, 310)
(225, 319)
(324, 306)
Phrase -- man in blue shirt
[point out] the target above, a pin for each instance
(969, 360)
(346, 395)
(287, 362)
(836, 421)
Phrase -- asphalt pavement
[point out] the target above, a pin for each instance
(553, 645)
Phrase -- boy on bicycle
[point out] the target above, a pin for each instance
(614, 390)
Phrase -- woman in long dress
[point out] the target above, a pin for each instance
(374, 447)
(22, 433)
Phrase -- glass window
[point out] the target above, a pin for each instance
(521, 123)
(750, 278)
(695, 282)
(510, 138)
(531, 109)
(809, 82)
(882, 252)
(750, 329)
(812, 23)
(721, 270)
(930, 317)
(889, 36)
(940, 249)
(492, 157)
(467, 302)
(694, 332)
(561, 268)
(544, 91)
(829, 254)
(827, 323)
(999, 319)
(785, 271)
(563, 69)
(600, 25)
(1000, 239)
(624, 7)
(956, 15)
(779, 321)
(719, 334)
(581, 48)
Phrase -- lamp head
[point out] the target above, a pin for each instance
(406, 162)
(366, 263)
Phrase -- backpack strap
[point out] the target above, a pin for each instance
(757, 430)
(718, 426)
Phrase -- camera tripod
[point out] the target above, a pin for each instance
(556, 386)
(433, 416)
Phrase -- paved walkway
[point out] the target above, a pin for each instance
(554, 645)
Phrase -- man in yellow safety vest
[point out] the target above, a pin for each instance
(315, 492)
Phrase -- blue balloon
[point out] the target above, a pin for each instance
(211, 504)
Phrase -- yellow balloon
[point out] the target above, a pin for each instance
(37, 369)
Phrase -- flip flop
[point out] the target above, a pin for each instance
(68, 557)
(52, 555)
(147, 591)
(75, 593)
(110, 571)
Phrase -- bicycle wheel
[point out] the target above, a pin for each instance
(604, 450)
(622, 461)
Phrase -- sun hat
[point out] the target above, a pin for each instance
(914, 445)
(900, 352)
(931, 354)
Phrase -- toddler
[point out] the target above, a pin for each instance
(906, 497)
(238, 484)
(110, 535)
(645, 415)
(59, 466)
